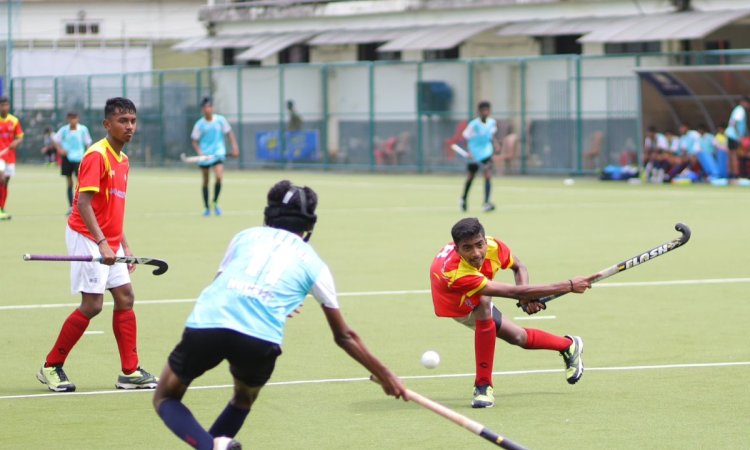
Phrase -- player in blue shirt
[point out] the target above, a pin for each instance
(71, 141)
(264, 277)
(208, 139)
(480, 136)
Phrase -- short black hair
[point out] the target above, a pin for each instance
(290, 104)
(483, 104)
(466, 229)
(4, 99)
(206, 101)
(651, 129)
(291, 207)
(118, 105)
(71, 114)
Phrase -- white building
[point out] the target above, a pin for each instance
(65, 37)
(283, 31)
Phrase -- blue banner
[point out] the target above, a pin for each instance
(300, 146)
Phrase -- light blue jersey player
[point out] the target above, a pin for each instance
(264, 277)
(480, 135)
(71, 142)
(208, 140)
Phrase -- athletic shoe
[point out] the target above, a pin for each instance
(487, 207)
(140, 379)
(226, 443)
(484, 397)
(462, 204)
(217, 209)
(206, 212)
(55, 379)
(4, 216)
(573, 360)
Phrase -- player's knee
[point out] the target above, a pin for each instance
(244, 398)
(91, 309)
(516, 338)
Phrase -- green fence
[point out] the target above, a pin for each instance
(556, 114)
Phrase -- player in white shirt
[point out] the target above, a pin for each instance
(265, 275)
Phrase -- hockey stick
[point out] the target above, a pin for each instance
(632, 262)
(461, 420)
(460, 151)
(194, 159)
(161, 265)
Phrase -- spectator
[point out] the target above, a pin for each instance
(736, 131)
(295, 120)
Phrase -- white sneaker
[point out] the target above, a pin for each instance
(487, 207)
(226, 443)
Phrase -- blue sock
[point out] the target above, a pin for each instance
(229, 422)
(180, 420)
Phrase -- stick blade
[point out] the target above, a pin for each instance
(685, 230)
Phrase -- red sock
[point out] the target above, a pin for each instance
(484, 351)
(541, 340)
(3, 195)
(71, 331)
(124, 326)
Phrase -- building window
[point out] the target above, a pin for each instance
(561, 45)
(227, 56)
(436, 55)
(369, 52)
(632, 47)
(81, 28)
(299, 53)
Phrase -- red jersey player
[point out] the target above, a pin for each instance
(462, 288)
(11, 134)
(95, 227)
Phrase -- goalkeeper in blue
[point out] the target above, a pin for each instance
(263, 279)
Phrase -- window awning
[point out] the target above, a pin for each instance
(556, 27)
(206, 43)
(362, 36)
(664, 27)
(434, 38)
(271, 44)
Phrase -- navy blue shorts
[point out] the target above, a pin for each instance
(251, 360)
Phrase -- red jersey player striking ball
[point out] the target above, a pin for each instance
(95, 227)
(11, 134)
(462, 288)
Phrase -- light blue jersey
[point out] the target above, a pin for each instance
(690, 142)
(737, 128)
(74, 142)
(265, 275)
(479, 136)
(707, 143)
(210, 137)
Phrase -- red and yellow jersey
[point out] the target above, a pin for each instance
(455, 283)
(105, 173)
(10, 130)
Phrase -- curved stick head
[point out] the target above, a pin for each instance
(685, 230)
(161, 267)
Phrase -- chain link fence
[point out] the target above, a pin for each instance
(556, 114)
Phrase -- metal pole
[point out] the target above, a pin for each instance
(371, 113)
(324, 128)
(579, 115)
(9, 49)
(240, 131)
(420, 139)
(524, 138)
(282, 128)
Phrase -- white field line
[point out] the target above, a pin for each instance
(401, 292)
(408, 377)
